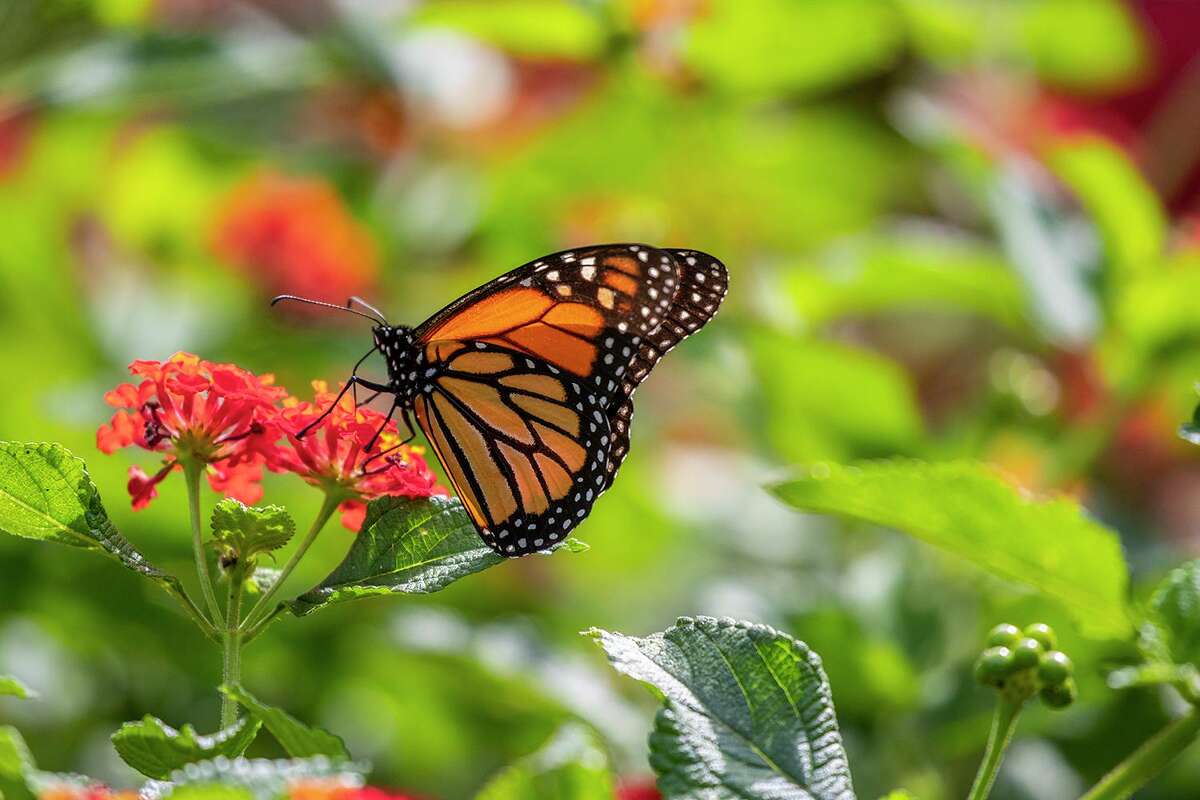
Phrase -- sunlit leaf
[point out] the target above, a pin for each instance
(248, 531)
(1125, 209)
(1171, 632)
(297, 739)
(1104, 47)
(909, 273)
(16, 766)
(747, 711)
(46, 494)
(11, 687)
(827, 400)
(781, 45)
(155, 749)
(543, 28)
(965, 509)
(571, 766)
(407, 546)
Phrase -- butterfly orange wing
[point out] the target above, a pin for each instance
(527, 397)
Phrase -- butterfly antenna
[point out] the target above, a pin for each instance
(296, 299)
(368, 307)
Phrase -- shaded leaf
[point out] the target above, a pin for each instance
(260, 779)
(11, 687)
(410, 546)
(571, 766)
(248, 531)
(965, 509)
(747, 711)
(47, 494)
(297, 739)
(155, 749)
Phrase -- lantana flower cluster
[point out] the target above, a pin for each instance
(235, 424)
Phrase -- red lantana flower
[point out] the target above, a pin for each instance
(218, 414)
(333, 454)
(295, 235)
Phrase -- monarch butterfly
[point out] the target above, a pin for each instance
(524, 386)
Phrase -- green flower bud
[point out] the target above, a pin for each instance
(1059, 695)
(1003, 635)
(1026, 654)
(993, 666)
(1055, 667)
(1044, 635)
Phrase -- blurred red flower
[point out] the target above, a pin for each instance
(333, 454)
(218, 414)
(336, 790)
(295, 235)
(638, 789)
(93, 791)
(17, 121)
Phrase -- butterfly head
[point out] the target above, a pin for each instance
(396, 343)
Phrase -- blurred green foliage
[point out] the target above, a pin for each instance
(939, 249)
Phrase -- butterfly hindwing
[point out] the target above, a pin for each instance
(524, 444)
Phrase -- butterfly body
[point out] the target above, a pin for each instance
(524, 386)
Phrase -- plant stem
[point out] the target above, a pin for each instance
(231, 673)
(1004, 722)
(1148, 760)
(191, 472)
(262, 607)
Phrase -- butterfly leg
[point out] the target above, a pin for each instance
(382, 425)
(354, 381)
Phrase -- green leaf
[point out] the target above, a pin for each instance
(47, 494)
(11, 687)
(911, 272)
(1104, 48)
(407, 546)
(16, 766)
(1171, 632)
(863, 404)
(965, 509)
(1124, 207)
(747, 712)
(156, 749)
(571, 766)
(297, 739)
(782, 45)
(545, 28)
(245, 532)
(256, 779)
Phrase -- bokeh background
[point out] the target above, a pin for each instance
(954, 230)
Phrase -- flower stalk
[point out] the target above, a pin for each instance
(1004, 722)
(231, 671)
(1148, 760)
(191, 472)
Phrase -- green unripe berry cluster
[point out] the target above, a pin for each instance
(1027, 658)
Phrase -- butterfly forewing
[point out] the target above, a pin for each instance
(528, 396)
